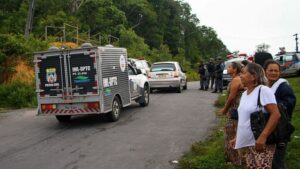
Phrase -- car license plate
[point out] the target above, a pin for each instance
(162, 76)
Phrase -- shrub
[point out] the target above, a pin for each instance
(17, 95)
(192, 76)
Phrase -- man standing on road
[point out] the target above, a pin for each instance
(211, 73)
(219, 76)
(203, 73)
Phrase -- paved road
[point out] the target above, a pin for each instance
(144, 138)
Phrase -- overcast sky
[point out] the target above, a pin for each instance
(243, 24)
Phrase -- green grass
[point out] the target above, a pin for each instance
(293, 154)
(210, 153)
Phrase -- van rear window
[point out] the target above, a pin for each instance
(163, 67)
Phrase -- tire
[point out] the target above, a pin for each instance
(63, 118)
(185, 86)
(179, 89)
(145, 97)
(116, 107)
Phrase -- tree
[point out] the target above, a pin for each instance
(101, 16)
(262, 48)
(135, 45)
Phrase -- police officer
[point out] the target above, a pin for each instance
(219, 76)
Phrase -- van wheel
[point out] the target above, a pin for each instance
(114, 115)
(145, 97)
(63, 118)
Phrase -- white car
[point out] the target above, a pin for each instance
(167, 75)
(141, 64)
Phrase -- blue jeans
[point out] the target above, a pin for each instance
(211, 79)
(203, 83)
(219, 85)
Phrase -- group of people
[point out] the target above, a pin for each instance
(211, 74)
(250, 82)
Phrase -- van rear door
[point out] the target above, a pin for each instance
(82, 73)
(50, 74)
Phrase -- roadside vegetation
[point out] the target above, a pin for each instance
(210, 153)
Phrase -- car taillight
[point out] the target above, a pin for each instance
(176, 74)
(94, 105)
(48, 106)
(149, 75)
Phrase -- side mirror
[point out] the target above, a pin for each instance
(138, 71)
(184, 71)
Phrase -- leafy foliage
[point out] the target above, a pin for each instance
(13, 47)
(17, 95)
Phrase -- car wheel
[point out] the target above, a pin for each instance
(145, 97)
(185, 86)
(63, 118)
(179, 89)
(114, 115)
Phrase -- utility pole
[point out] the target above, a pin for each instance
(29, 21)
(296, 38)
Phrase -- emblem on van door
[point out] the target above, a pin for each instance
(81, 79)
(122, 63)
(51, 75)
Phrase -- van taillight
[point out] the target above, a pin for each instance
(149, 75)
(48, 106)
(94, 105)
(95, 87)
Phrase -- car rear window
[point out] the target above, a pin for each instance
(139, 65)
(163, 67)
